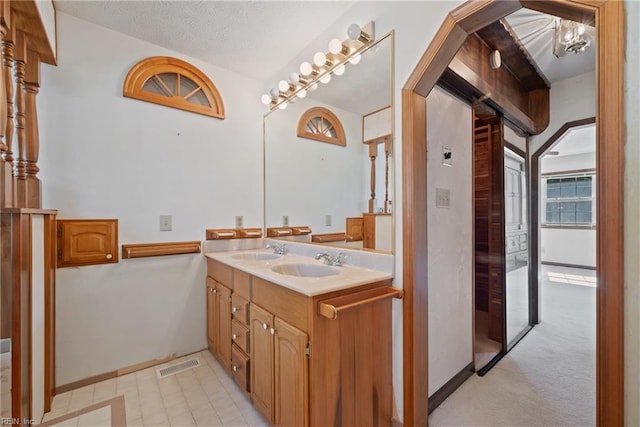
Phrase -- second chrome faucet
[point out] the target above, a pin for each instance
(332, 259)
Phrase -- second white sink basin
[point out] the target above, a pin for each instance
(305, 270)
(256, 256)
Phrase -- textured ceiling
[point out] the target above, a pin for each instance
(253, 38)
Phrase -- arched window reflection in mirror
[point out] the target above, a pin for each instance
(321, 124)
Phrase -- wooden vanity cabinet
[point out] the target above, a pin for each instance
(300, 366)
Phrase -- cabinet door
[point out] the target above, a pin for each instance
(87, 242)
(262, 361)
(291, 375)
(211, 314)
(223, 297)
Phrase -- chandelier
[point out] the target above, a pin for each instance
(571, 37)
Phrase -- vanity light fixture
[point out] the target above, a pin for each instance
(324, 64)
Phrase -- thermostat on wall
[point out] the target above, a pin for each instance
(447, 156)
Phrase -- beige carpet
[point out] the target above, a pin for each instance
(548, 379)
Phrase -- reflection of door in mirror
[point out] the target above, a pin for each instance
(328, 186)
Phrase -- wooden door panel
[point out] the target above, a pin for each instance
(262, 361)
(211, 314)
(291, 376)
(223, 297)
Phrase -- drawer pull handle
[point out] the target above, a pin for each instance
(234, 337)
(234, 310)
(235, 368)
(109, 256)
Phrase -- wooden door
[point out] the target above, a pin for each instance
(211, 314)
(262, 392)
(223, 316)
(291, 376)
(488, 155)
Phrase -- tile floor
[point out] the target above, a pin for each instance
(202, 396)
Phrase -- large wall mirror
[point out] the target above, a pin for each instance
(342, 192)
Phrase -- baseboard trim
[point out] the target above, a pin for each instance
(117, 373)
(445, 391)
(562, 264)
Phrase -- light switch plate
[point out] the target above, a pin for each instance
(239, 221)
(285, 221)
(327, 220)
(442, 198)
(165, 222)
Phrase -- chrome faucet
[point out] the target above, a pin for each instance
(334, 260)
(279, 249)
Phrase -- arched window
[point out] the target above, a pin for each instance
(322, 125)
(174, 83)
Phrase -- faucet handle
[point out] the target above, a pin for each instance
(342, 257)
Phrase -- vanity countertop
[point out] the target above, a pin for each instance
(347, 276)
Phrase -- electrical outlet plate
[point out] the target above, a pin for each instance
(327, 220)
(165, 222)
(443, 198)
(285, 221)
(239, 221)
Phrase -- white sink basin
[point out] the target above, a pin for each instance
(255, 256)
(305, 270)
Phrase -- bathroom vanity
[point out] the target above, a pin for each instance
(309, 343)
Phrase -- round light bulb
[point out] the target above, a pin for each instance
(353, 31)
(305, 68)
(302, 93)
(294, 77)
(319, 59)
(339, 70)
(314, 86)
(282, 106)
(326, 78)
(266, 99)
(355, 59)
(274, 93)
(283, 85)
(581, 29)
(335, 46)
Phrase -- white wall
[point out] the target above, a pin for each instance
(450, 231)
(308, 179)
(105, 156)
(632, 217)
(570, 99)
(573, 162)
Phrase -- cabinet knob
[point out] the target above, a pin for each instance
(235, 368)
(215, 291)
(273, 331)
(234, 309)
(109, 256)
(265, 326)
(234, 337)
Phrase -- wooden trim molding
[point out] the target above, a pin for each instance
(320, 124)
(233, 233)
(177, 84)
(143, 250)
(445, 391)
(462, 21)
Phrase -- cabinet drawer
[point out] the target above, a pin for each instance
(240, 368)
(220, 272)
(240, 335)
(240, 308)
(242, 283)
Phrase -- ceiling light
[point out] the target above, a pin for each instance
(571, 36)
(355, 59)
(322, 66)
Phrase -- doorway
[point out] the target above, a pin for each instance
(463, 21)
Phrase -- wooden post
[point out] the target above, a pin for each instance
(20, 60)
(6, 180)
(373, 153)
(33, 189)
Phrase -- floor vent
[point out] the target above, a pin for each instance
(177, 368)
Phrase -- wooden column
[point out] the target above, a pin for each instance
(7, 70)
(373, 153)
(20, 59)
(6, 180)
(33, 190)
